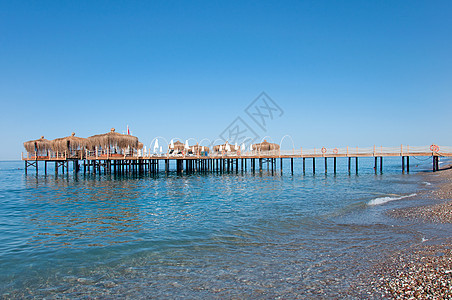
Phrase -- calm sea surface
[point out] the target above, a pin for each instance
(204, 235)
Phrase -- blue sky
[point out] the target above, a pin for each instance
(354, 73)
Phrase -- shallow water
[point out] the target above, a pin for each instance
(203, 235)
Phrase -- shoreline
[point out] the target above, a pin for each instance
(422, 271)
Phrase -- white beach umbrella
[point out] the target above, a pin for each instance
(251, 147)
(193, 149)
(243, 147)
(186, 145)
(228, 148)
(156, 145)
(202, 148)
(161, 150)
(144, 150)
(236, 147)
(172, 144)
(221, 148)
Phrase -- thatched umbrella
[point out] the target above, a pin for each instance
(113, 139)
(198, 148)
(40, 145)
(265, 146)
(178, 146)
(69, 143)
(216, 148)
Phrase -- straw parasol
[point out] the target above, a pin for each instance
(69, 143)
(39, 145)
(216, 148)
(179, 146)
(113, 139)
(198, 148)
(265, 146)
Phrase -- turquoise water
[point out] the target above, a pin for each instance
(202, 235)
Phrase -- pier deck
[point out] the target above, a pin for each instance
(222, 162)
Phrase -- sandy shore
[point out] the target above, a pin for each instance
(422, 272)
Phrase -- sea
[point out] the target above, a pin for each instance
(237, 235)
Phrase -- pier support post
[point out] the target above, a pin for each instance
(326, 165)
(375, 165)
(280, 165)
(291, 165)
(408, 164)
(435, 163)
(356, 164)
(403, 164)
(304, 165)
(313, 165)
(381, 164)
(349, 164)
(334, 162)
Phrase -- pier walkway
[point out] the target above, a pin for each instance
(142, 162)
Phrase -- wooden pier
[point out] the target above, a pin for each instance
(254, 161)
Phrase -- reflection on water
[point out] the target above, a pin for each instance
(202, 235)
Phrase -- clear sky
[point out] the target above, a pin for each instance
(354, 73)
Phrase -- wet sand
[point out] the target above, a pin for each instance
(424, 271)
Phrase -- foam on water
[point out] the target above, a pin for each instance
(382, 200)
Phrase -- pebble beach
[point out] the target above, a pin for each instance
(423, 271)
